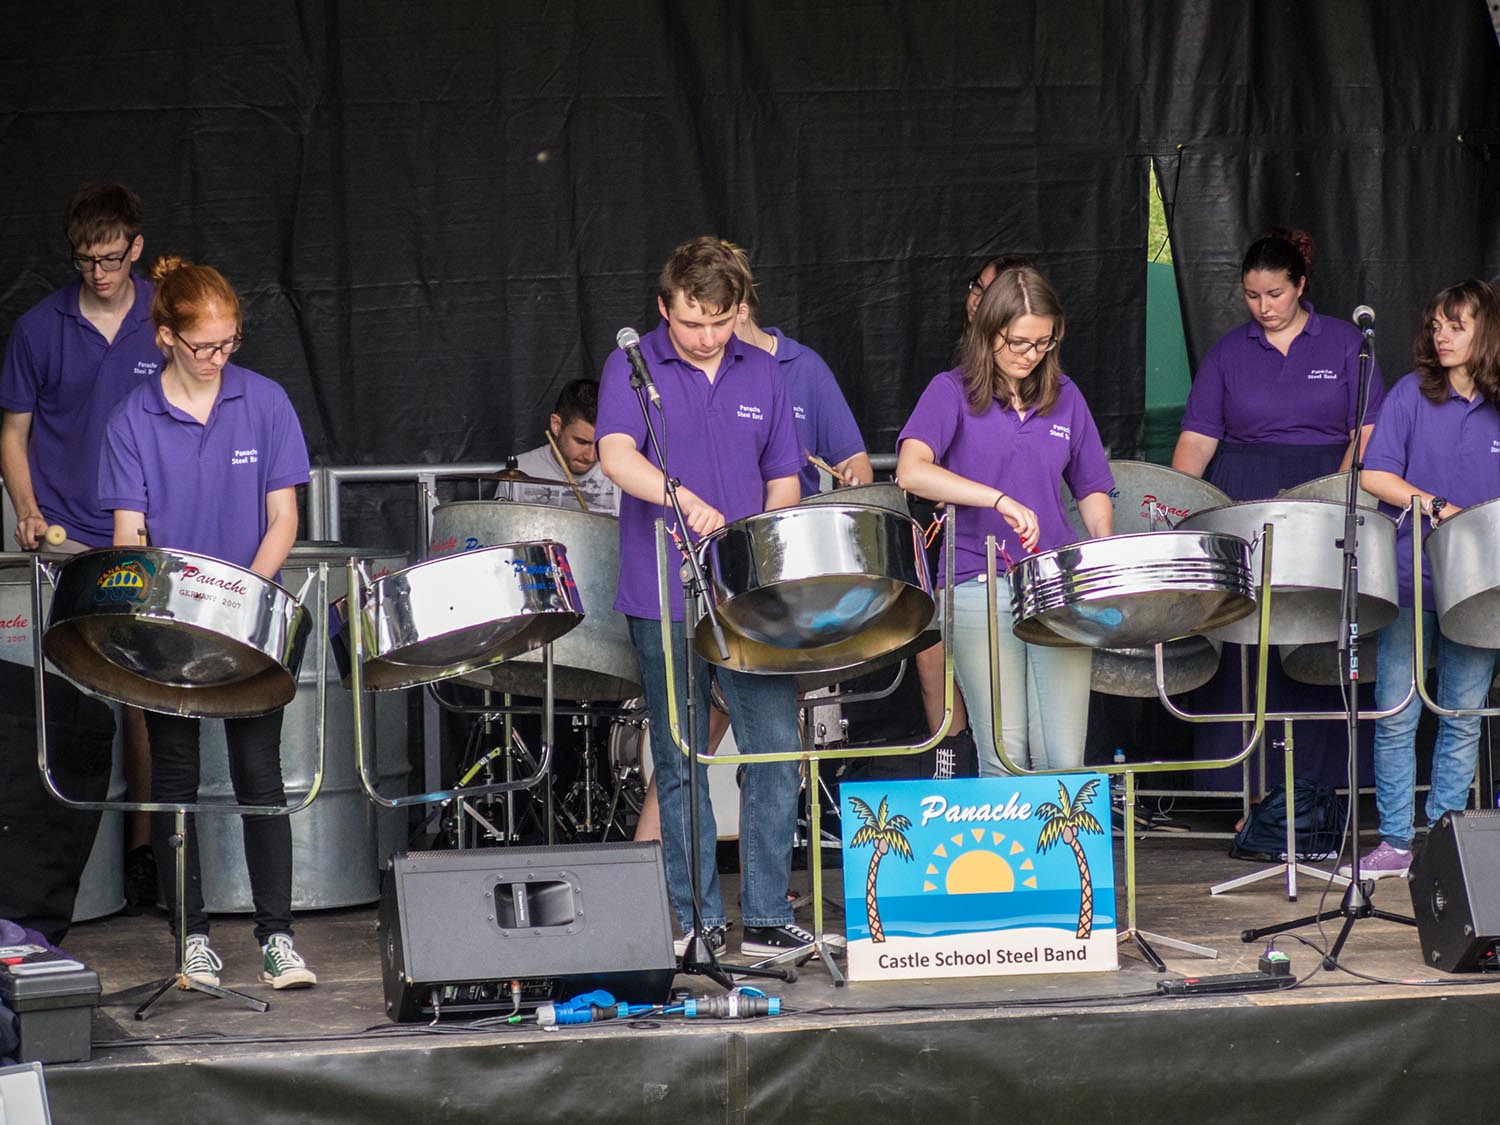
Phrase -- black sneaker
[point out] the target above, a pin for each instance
(713, 937)
(768, 941)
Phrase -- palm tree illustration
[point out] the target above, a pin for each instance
(884, 833)
(1065, 822)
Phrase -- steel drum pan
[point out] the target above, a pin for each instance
(1149, 498)
(462, 613)
(1335, 487)
(1461, 553)
(1307, 572)
(882, 494)
(175, 632)
(1131, 591)
(815, 588)
(595, 661)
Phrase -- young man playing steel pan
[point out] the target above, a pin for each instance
(571, 430)
(71, 359)
(727, 434)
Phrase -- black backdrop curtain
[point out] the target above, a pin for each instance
(440, 212)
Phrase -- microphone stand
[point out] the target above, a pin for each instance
(1356, 902)
(698, 958)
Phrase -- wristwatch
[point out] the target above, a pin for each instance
(1435, 509)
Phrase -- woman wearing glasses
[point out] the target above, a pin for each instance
(206, 458)
(994, 438)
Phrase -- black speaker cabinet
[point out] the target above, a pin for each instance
(1455, 890)
(458, 927)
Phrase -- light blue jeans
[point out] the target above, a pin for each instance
(763, 710)
(1044, 692)
(1464, 676)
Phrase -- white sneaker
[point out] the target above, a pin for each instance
(200, 962)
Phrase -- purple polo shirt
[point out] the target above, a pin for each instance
(1024, 459)
(59, 369)
(825, 424)
(1449, 448)
(723, 440)
(1246, 391)
(203, 488)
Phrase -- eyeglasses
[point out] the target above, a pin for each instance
(109, 263)
(208, 351)
(976, 287)
(1025, 347)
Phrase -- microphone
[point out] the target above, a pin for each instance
(629, 341)
(1364, 319)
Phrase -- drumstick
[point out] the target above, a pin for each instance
(818, 463)
(552, 441)
(55, 534)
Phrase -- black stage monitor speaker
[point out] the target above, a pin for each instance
(458, 927)
(1455, 890)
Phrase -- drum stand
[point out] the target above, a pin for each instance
(1144, 939)
(180, 980)
(1356, 902)
(822, 946)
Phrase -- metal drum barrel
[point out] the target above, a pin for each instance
(595, 660)
(176, 632)
(1149, 498)
(1461, 553)
(340, 841)
(1130, 591)
(815, 588)
(1307, 572)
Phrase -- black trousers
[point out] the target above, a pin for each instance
(255, 771)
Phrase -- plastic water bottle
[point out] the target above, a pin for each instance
(1117, 780)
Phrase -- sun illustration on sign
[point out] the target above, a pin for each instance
(975, 864)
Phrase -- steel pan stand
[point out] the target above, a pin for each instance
(822, 947)
(1356, 902)
(180, 980)
(1144, 939)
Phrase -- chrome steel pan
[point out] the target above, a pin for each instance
(454, 615)
(1149, 497)
(596, 660)
(816, 588)
(1461, 552)
(1307, 576)
(176, 632)
(1334, 487)
(1131, 591)
(883, 494)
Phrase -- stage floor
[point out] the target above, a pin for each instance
(1411, 1044)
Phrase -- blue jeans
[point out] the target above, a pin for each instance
(1044, 692)
(1464, 675)
(763, 711)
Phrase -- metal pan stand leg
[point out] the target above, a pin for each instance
(1291, 866)
(182, 981)
(1144, 939)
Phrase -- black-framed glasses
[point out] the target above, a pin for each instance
(1025, 347)
(208, 351)
(109, 263)
(976, 287)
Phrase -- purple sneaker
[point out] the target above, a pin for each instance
(1385, 862)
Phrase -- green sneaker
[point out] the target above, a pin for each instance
(284, 967)
(199, 962)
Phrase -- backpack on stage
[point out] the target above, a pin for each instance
(1320, 815)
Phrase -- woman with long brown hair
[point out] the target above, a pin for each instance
(1438, 439)
(995, 438)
